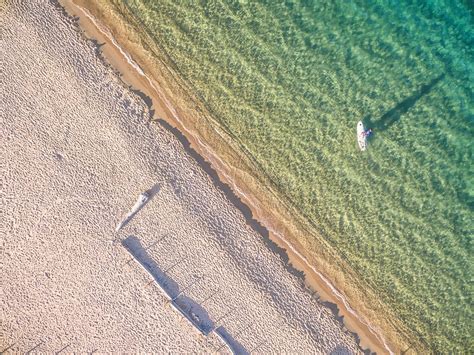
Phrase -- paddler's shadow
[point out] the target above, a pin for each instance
(393, 115)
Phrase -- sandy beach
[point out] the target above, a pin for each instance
(189, 272)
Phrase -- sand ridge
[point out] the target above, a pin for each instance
(79, 149)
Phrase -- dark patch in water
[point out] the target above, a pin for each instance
(393, 115)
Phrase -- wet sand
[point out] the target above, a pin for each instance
(79, 149)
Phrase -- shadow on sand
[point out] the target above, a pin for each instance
(393, 115)
(193, 311)
(142, 201)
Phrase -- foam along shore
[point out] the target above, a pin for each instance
(79, 149)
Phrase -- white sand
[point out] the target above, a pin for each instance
(77, 151)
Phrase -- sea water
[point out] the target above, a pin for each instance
(291, 79)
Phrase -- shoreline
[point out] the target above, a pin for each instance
(133, 75)
(70, 281)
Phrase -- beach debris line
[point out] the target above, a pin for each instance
(141, 202)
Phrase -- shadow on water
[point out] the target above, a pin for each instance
(393, 115)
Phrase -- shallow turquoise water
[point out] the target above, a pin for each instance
(290, 81)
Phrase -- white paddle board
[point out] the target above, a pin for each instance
(361, 138)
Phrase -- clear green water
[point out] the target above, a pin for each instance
(290, 81)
